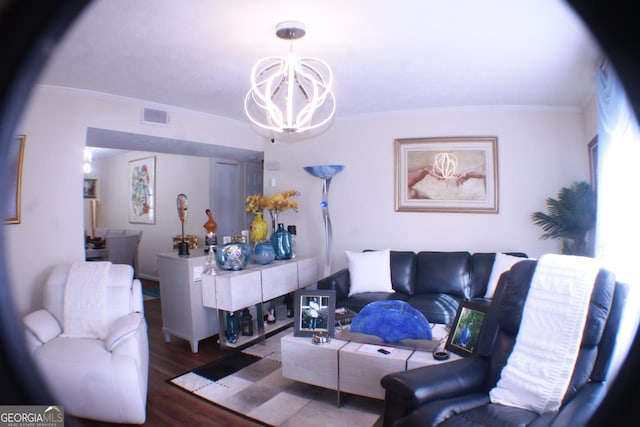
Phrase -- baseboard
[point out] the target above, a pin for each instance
(148, 277)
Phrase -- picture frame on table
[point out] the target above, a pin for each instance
(90, 189)
(142, 191)
(314, 312)
(14, 181)
(449, 174)
(466, 328)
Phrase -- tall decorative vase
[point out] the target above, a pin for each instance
(281, 242)
(258, 229)
(274, 220)
(325, 172)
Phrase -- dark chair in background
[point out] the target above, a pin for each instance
(457, 393)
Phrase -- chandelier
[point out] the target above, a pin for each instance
(290, 95)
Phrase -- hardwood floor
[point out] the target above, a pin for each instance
(166, 404)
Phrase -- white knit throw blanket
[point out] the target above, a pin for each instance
(85, 300)
(539, 369)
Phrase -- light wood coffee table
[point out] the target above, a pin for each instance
(349, 366)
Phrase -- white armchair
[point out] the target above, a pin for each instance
(98, 371)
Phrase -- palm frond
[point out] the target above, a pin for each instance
(571, 216)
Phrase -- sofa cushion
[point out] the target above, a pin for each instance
(369, 271)
(502, 262)
(358, 301)
(482, 264)
(437, 308)
(443, 272)
(403, 271)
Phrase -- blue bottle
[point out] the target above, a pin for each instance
(232, 332)
(281, 242)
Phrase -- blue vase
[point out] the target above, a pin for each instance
(233, 328)
(263, 253)
(281, 242)
(233, 256)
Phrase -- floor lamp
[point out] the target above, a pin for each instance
(325, 172)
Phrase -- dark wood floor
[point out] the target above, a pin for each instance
(166, 404)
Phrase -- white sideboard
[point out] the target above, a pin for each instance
(183, 314)
(257, 284)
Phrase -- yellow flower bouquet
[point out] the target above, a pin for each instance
(275, 204)
(279, 202)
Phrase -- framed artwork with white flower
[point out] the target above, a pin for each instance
(458, 174)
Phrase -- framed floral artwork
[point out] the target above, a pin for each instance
(458, 174)
(142, 186)
(14, 181)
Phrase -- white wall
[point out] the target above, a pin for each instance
(55, 123)
(175, 174)
(539, 152)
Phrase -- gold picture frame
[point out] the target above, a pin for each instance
(450, 174)
(14, 178)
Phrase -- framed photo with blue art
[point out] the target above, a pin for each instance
(466, 328)
(142, 191)
(14, 181)
(314, 312)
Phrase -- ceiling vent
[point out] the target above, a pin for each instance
(157, 117)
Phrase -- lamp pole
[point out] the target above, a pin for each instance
(326, 173)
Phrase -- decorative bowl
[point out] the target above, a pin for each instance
(233, 256)
(263, 253)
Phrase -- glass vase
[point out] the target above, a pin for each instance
(232, 332)
(274, 219)
(258, 228)
(281, 242)
(233, 256)
(263, 253)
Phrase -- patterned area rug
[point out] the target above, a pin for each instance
(150, 290)
(250, 383)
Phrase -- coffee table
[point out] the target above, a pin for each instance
(349, 366)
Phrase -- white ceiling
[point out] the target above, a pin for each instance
(386, 55)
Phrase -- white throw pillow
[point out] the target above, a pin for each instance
(369, 272)
(502, 263)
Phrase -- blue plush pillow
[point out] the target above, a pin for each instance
(392, 321)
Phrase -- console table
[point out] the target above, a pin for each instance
(252, 287)
(183, 314)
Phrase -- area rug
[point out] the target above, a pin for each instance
(250, 383)
(150, 290)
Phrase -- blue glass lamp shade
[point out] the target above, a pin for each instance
(324, 171)
(233, 256)
(392, 321)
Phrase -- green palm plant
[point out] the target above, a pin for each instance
(571, 217)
